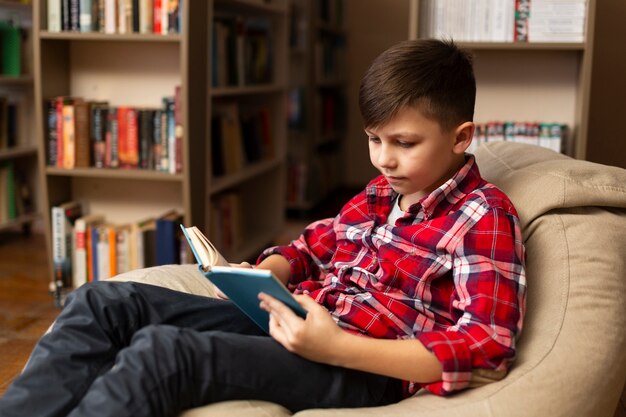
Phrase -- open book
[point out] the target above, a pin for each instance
(241, 285)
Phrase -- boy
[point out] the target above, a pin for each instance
(418, 282)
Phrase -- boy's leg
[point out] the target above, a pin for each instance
(96, 323)
(168, 369)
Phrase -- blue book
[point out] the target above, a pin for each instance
(241, 285)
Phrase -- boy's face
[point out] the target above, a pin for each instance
(415, 155)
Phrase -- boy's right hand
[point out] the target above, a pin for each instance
(218, 293)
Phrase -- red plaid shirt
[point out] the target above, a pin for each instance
(450, 273)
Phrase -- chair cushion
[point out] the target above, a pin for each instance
(538, 180)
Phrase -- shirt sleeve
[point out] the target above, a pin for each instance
(310, 254)
(488, 302)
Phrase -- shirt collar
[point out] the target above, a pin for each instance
(380, 195)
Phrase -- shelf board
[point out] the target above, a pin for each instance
(271, 6)
(17, 152)
(250, 171)
(523, 46)
(246, 90)
(127, 174)
(16, 80)
(19, 221)
(95, 36)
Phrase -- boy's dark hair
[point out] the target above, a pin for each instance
(434, 75)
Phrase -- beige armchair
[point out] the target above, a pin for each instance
(572, 353)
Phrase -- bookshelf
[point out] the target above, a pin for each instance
(317, 101)
(577, 83)
(247, 75)
(18, 147)
(136, 70)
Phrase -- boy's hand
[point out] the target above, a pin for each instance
(315, 338)
(218, 293)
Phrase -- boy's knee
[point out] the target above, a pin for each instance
(98, 292)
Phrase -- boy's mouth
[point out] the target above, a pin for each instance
(393, 178)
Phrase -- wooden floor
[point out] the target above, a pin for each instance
(26, 308)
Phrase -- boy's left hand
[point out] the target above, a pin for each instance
(314, 338)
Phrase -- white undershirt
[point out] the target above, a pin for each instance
(396, 212)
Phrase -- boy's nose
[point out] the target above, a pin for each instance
(386, 158)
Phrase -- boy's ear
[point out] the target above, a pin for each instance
(463, 137)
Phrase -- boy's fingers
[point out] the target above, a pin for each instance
(282, 312)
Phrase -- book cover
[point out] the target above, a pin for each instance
(62, 218)
(167, 240)
(80, 274)
(241, 285)
(82, 154)
(69, 138)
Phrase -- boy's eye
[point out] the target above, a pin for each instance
(374, 139)
(404, 144)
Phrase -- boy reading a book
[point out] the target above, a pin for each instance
(417, 283)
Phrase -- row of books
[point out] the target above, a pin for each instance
(547, 135)
(332, 111)
(115, 16)
(330, 58)
(308, 182)
(504, 20)
(239, 137)
(241, 51)
(84, 133)
(8, 123)
(226, 223)
(87, 248)
(15, 193)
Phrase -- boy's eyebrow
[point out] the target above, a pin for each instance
(398, 135)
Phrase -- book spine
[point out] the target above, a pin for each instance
(122, 136)
(156, 139)
(178, 133)
(54, 16)
(171, 136)
(156, 13)
(132, 139)
(52, 132)
(98, 133)
(136, 15)
(110, 23)
(59, 128)
(145, 16)
(75, 15)
(522, 12)
(58, 243)
(65, 15)
(85, 19)
(69, 144)
(103, 254)
(81, 117)
(164, 137)
(80, 254)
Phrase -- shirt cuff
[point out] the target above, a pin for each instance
(296, 273)
(452, 351)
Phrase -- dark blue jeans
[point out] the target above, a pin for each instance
(128, 349)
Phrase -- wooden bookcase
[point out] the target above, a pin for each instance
(18, 90)
(579, 84)
(138, 70)
(258, 187)
(318, 90)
